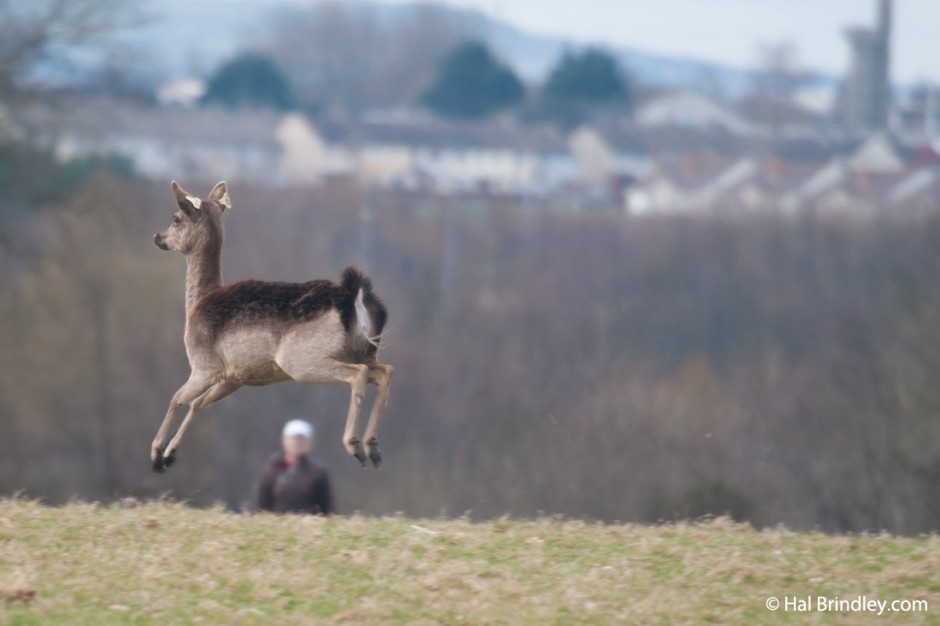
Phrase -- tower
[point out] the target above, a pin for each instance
(866, 98)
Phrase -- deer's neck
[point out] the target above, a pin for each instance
(203, 274)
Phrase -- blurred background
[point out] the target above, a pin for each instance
(644, 260)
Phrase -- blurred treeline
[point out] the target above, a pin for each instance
(780, 368)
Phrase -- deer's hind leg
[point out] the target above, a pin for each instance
(312, 370)
(381, 375)
(357, 375)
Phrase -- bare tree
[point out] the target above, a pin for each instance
(777, 80)
(353, 56)
(48, 31)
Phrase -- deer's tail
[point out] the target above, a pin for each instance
(369, 313)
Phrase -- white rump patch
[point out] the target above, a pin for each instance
(362, 315)
(225, 201)
(196, 202)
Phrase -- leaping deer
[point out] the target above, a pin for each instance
(258, 333)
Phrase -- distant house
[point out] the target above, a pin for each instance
(917, 192)
(769, 186)
(685, 109)
(917, 119)
(688, 184)
(181, 92)
(862, 192)
(823, 181)
(416, 150)
(871, 178)
(403, 150)
(606, 156)
(702, 168)
(164, 142)
(877, 154)
(307, 153)
(857, 182)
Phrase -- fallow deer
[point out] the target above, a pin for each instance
(258, 333)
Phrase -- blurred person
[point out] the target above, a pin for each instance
(290, 481)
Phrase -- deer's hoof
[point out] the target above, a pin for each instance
(374, 455)
(163, 462)
(158, 462)
(358, 451)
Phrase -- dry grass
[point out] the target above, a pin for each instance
(170, 564)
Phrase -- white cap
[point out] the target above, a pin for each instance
(298, 427)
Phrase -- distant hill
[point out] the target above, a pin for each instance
(185, 38)
(533, 56)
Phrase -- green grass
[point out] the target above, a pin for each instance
(170, 564)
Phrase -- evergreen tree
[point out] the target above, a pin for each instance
(472, 84)
(582, 81)
(250, 80)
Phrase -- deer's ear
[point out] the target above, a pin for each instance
(189, 204)
(219, 194)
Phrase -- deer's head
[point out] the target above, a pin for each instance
(198, 223)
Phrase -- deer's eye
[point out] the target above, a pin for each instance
(177, 219)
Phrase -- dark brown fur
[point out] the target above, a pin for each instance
(254, 301)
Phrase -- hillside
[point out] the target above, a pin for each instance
(168, 563)
(175, 33)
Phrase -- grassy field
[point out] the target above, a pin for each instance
(169, 564)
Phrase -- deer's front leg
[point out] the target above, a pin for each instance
(191, 389)
(212, 394)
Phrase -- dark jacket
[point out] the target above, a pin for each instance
(303, 488)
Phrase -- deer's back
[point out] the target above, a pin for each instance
(273, 305)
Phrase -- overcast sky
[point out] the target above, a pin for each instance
(729, 31)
